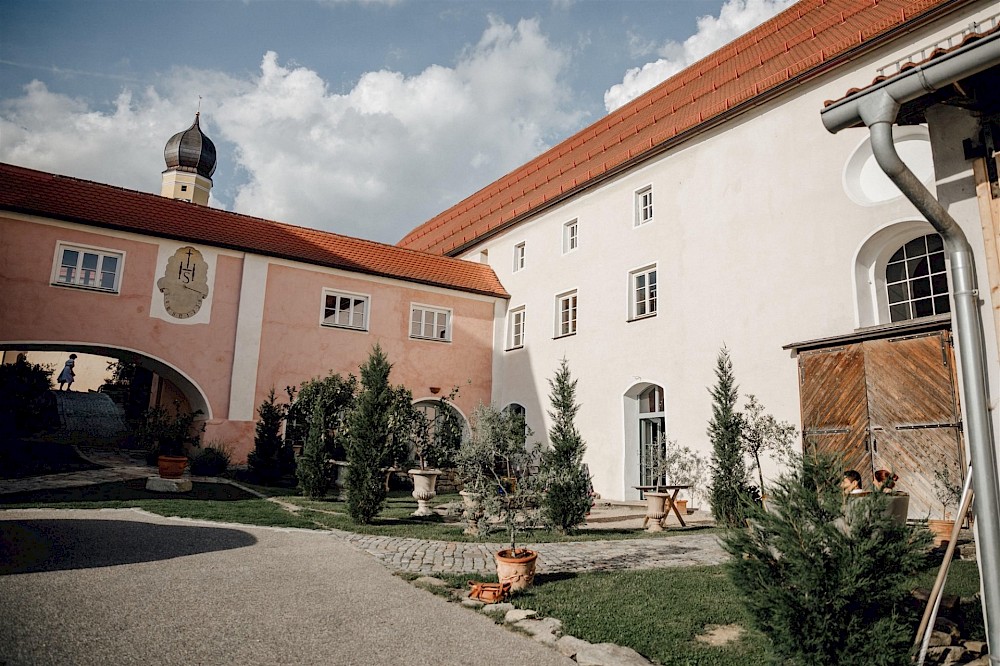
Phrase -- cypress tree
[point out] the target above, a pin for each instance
(729, 491)
(370, 439)
(567, 496)
(265, 459)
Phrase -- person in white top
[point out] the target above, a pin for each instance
(67, 375)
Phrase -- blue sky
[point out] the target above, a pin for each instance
(364, 118)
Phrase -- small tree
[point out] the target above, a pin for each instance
(827, 577)
(435, 442)
(678, 465)
(375, 437)
(762, 434)
(312, 468)
(265, 459)
(322, 406)
(729, 492)
(495, 465)
(567, 484)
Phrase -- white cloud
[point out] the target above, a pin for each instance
(373, 162)
(735, 18)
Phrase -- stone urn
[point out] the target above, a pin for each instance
(424, 483)
(655, 511)
(517, 567)
(340, 478)
(472, 511)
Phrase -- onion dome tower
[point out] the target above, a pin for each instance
(190, 158)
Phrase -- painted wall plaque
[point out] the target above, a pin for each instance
(184, 284)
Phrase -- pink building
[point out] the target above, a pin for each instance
(223, 307)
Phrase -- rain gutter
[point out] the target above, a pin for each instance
(876, 107)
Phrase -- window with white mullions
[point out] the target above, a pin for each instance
(566, 308)
(90, 268)
(515, 329)
(430, 323)
(652, 430)
(643, 292)
(571, 236)
(518, 257)
(342, 310)
(916, 280)
(644, 205)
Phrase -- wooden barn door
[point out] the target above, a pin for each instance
(887, 403)
(913, 412)
(834, 404)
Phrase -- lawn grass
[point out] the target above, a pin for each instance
(206, 501)
(396, 521)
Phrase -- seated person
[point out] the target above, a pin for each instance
(851, 484)
(885, 480)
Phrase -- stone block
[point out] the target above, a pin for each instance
(161, 485)
(568, 645)
(430, 581)
(518, 614)
(498, 608)
(609, 654)
(472, 603)
(975, 648)
(543, 630)
(939, 639)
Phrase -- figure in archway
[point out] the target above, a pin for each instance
(67, 375)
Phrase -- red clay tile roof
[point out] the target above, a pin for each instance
(70, 199)
(973, 33)
(807, 38)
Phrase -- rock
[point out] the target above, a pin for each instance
(542, 630)
(161, 485)
(498, 608)
(982, 661)
(472, 603)
(609, 654)
(974, 648)
(430, 581)
(945, 654)
(518, 614)
(946, 626)
(570, 645)
(939, 639)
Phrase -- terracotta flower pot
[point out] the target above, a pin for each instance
(941, 529)
(516, 567)
(171, 467)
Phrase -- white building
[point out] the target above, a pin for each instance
(717, 210)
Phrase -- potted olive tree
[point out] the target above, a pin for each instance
(435, 438)
(167, 438)
(679, 466)
(496, 463)
(948, 490)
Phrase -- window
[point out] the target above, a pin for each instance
(571, 236)
(515, 329)
(642, 284)
(345, 310)
(566, 314)
(518, 257)
(916, 281)
(429, 323)
(88, 267)
(652, 436)
(644, 205)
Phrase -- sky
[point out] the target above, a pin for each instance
(361, 117)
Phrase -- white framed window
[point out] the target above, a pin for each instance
(88, 267)
(642, 292)
(571, 236)
(430, 323)
(566, 314)
(644, 205)
(515, 328)
(518, 257)
(344, 310)
(916, 280)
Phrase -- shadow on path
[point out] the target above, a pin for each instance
(28, 546)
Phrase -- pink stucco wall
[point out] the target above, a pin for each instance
(294, 346)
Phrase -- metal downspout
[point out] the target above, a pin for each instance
(879, 112)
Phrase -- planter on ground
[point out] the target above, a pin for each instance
(424, 482)
(171, 467)
(516, 566)
(941, 529)
(655, 511)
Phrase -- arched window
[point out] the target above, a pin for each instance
(520, 412)
(916, 280)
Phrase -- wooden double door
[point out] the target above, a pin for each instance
(887, 403)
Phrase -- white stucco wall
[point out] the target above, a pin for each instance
(755, 241)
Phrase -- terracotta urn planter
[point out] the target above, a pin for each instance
(516, 567)
(941, 530)
(171, 467)
(655, 511)
(682, 506)
(424, 483)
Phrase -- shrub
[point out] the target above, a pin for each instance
(213, 460)
(729, 491)
(435, 442)
(567, 484)
(312, 468)
(25, 402)
(265, 461)
(762, 433)
(375, 437)
(322, 406)
(825, 576)
(161, 433)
